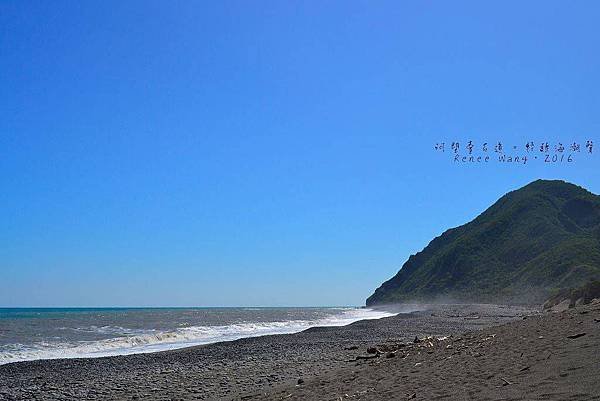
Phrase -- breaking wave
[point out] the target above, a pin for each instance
(143, 341)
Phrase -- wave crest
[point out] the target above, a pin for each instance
(144, 341)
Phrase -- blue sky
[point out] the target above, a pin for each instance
(270, 153)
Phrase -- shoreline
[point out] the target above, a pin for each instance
(232, 369)
(149, 343)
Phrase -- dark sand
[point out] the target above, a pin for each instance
(481, 360)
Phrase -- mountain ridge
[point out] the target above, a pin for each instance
(532, 241)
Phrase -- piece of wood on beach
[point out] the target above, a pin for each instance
(371, 356)
(363, 357)
(574, 336)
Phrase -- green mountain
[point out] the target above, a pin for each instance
(530, 243)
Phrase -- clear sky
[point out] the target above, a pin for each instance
(269, 153)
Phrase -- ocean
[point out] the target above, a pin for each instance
(48, 333)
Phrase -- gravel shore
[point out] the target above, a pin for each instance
(369, 359)
(545, 357)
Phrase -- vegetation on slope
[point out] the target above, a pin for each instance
(532, 241)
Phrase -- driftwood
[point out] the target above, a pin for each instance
(364, 357)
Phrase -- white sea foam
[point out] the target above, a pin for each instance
(152, 340)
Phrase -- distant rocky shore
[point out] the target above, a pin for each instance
(571, 297)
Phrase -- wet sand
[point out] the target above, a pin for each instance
(492, 353)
